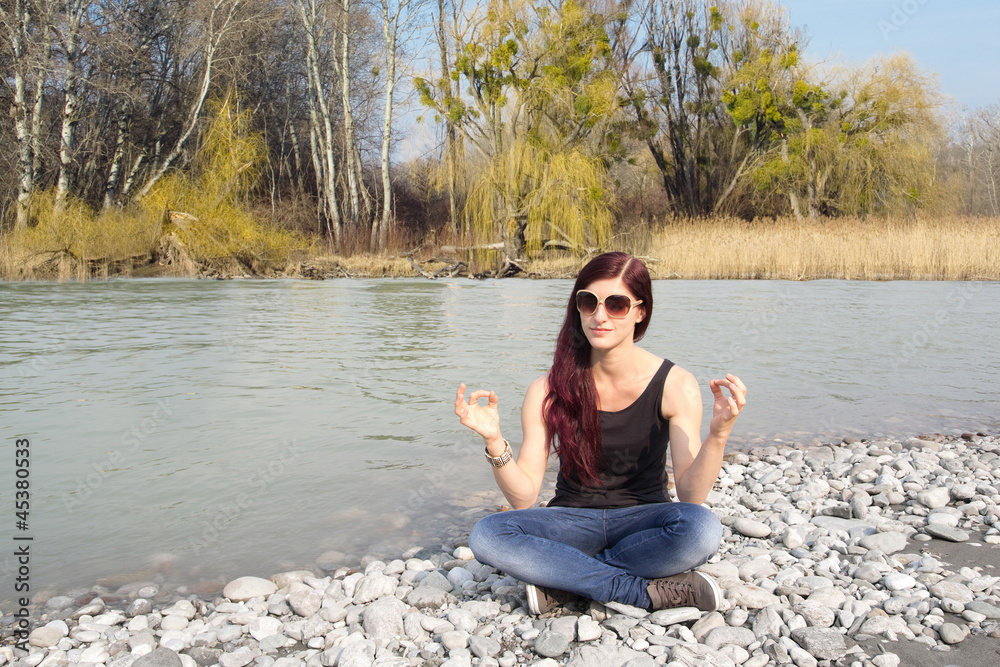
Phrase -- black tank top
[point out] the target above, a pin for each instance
(634, 456)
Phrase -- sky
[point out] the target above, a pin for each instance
(957, 39)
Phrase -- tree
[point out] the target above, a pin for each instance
(535, 85)
(27, 31)
(397, 15)
(981, 144)
(220, 18)
(859, 146)
(74, 12)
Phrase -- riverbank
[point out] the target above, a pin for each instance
(883, 553)
(950, 248)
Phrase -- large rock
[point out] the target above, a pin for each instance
(768, 622)
(428, 597)
(483, 647)
(988, 610)
(161, 657)
(372, 587)
(751, 528)
(836, 523)
(284, 579)
(358, 654)
(952, 634)
(952, 590)
(699, 655)
(675, 615)
(947, 533)
(886, 625)
(600, 655)
(550, 644)
(897, 581)
(265, 626)
(246, 588)
(751, 597)
(727, 636)
(822, 643)
(45, 637)
(888, 542)
(183, 608)
(934, 498)
(437, 580)
(383, 619)
(816, 615)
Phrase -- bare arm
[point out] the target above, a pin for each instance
(520, 480)
(697, 462)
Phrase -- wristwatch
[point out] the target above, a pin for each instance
(503, 459)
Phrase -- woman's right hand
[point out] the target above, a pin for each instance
(483, 419)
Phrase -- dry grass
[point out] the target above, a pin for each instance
(76, 242)
(949, 248)
(787, 249)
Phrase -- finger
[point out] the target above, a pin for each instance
(739, 382)
(479, 393)
(732, 386)
(714, 386)
(739, 393)
(494, 400)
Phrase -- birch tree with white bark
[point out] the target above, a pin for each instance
(398, 27)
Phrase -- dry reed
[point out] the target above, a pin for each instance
(948, 248)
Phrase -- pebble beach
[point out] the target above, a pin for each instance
(858, 553)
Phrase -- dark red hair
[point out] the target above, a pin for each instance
(571, 412)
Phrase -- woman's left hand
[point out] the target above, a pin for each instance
(726, 408)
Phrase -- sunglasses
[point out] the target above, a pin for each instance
(616, 305)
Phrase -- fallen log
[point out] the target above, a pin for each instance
(419, 269)
(470, 248)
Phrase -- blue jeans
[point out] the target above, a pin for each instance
(600, 554)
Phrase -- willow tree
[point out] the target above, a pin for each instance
(861, 144)
(535, 89)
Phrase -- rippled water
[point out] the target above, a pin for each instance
(242, 427)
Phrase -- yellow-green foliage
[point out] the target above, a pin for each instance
(76, 242)
(202, 213)
(556, 195)
(211, 219)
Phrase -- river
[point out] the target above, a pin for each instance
(243, 427)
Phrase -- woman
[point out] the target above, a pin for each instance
(608, 408)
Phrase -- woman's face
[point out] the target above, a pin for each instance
(603, 331)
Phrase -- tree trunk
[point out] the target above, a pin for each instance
(18, 21)
(380, 227)
(321, 135)
(72, 52)
(116, 162)
(215, 34)
(449, 137)
(354, 214)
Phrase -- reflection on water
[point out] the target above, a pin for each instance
(241, 427)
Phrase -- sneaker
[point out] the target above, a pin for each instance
(690, 589)
(542, 600)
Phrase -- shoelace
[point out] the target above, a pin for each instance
(675, 594)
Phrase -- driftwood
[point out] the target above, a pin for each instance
(470, 248)
(419, 268)
(451, 271)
